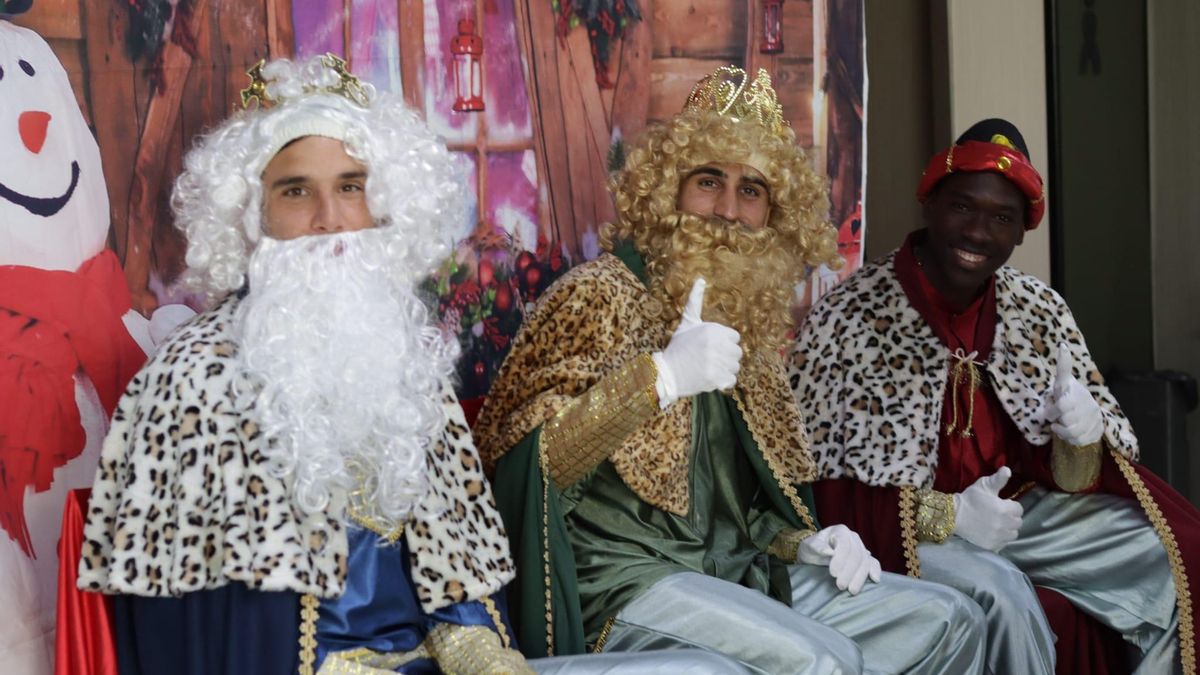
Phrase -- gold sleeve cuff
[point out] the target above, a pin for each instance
(472, 650)
(935, 515)
(786, 544)
(589, 428)
(1075, 467)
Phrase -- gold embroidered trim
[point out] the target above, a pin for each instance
(1183, 594)
(1075, 467)
(363, 661)
(786, 544)
(494, 613)
(592, 426)
(389, 533)
(469, 650)
(546, 549)
(908, 531)
(308, 632)
(934, 516)
(603, 638)
(789, 490)
(366, 522)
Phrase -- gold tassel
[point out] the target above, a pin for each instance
(965, 366)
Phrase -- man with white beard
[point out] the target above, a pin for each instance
(290, 485)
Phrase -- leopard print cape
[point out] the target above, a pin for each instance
(870, 375)
(591, 322)
(183, 499)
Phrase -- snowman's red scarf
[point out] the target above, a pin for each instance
(54, 324)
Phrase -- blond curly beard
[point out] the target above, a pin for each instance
(751, 277)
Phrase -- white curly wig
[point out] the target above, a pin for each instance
(414, 190)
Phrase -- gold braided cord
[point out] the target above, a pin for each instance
(604, 633)
(473, 650)
(908, 531)
(1075, 467)
(308, 632)
(965, 369)
(354, 510)
(494, 613)
(586, 431)
(786, 486)
(786, 544)
(545, 466)
(1183, 593)
(934, 516)
(729, 92)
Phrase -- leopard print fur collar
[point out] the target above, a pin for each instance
(183, 500)
(870, 375)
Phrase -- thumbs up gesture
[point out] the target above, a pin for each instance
(982, 517)
(701, 356)
(1073, 413)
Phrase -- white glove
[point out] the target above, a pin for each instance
(982, 517)
(843, 550)
(1073, 413)
(701, 356)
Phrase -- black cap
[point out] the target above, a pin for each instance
(11, 7)
(986, 130)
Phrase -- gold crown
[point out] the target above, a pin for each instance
(728, 92)
(348, 85)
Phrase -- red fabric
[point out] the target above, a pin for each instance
(54, 324)
(871, 511)
(84, 641)
(973, 156)
(1084, 644)
(471, 408)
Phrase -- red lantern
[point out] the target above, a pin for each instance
(467, 48)
(772, 22)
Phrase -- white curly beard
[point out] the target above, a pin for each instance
(346, 372)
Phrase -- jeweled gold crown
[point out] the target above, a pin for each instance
(729, 92)
(347, 85)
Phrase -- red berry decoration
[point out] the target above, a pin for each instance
(503, 300)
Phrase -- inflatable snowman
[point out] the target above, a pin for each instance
(68, 340)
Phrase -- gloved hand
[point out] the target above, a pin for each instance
(701, 356)
(982, 517)
(1073, 413)
(843, 550)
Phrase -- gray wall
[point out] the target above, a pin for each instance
(1102, 202)
(1174, 93)
(900, 118)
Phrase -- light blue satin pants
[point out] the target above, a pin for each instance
(899, 625)
(1098, 550)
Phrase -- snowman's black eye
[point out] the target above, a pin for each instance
(26, 67)
(1, 73)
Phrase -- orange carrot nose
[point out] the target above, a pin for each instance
(32, 124)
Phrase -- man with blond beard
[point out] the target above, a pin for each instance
(290, 483)
(649, 463)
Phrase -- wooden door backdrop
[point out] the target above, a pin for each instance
(147, 110)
